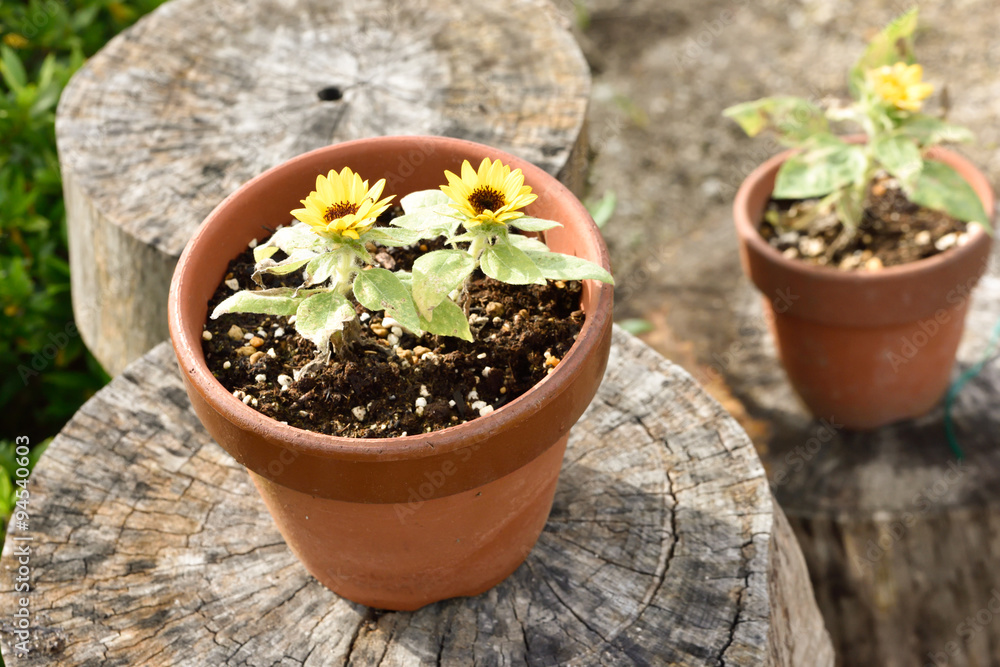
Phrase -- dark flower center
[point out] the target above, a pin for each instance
(485, 198)
(339, 211)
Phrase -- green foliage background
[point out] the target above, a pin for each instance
(46, 372)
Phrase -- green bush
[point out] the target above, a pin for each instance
(45, 371)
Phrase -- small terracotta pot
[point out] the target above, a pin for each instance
(864, 348)
(397, 523)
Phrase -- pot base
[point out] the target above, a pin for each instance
(402, 556)
(864, 378)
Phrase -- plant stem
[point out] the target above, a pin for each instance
(345, 271)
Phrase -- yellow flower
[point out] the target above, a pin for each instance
(342, 205)
(900, 85)
(493, 194)
(15, 41)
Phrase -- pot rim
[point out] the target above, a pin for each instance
(748, 230)
(409, 447)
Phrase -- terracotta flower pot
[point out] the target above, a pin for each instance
(397, 523)
(864, 348)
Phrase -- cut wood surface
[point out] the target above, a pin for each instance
(150, 547)
(200, 96)
(902, 539)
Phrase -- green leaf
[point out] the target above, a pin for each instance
(321, 315)
(391, 236)
(321, 268)
(927, 131)
(533, 224)
(405, 277)
(602, 210)
(508, 264)
(941, 188)
(829, 164)
(12, 70)
(423, 199)
(289, 239)
(900, 156)
(277, 301)
(527, 243)
(636, 326)
(557, 266)
(7, 499)
(892, 45)
(436, 274)
(431, 222)
(850, 204)
(379, 289)
(359, 250)
(792, 118)
(448, 320)
(296, 261)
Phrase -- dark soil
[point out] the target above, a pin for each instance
(893, 231)
(392, 383)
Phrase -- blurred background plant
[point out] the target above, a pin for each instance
(45, 370)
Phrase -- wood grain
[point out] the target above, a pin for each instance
(901, 539)
(200, 96)
(663, 547)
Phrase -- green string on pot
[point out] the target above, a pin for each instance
(956, 387)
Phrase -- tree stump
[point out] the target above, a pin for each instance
(151, 547)
(901, 539)
(199, 97)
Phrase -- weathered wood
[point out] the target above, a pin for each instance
(663, 547)
(198, 97)
(900, 538)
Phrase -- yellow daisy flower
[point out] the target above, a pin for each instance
(15, 41)
(900, 85)
(493, 194)
(342, 205)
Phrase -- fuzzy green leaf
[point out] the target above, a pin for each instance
(941, 188)
(793, 119)
(527, 243)
(289, 239)
(436, 274)
(927, 131)
(850, 204)
(380, 289)
(423, 199)
(899, 156)
(321, 268)
(296, 261)
(396, 237)
(321, 315)
(508, 264)
(430, 222)
(829, 164)
(557, 266)
(892, 45)
(277, 301)
(448, 320)
(533, 224)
